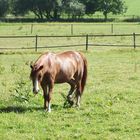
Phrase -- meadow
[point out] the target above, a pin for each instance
(109, 107)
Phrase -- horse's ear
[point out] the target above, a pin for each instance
(31, 65)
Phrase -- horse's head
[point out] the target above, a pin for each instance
(36, 76)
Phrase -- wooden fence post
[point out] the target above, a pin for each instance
(31, 28)
(71, 29)
(86, 42)
(134, 40)
(112, 28)
(36, 42)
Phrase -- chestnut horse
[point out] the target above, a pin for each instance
(67, 67)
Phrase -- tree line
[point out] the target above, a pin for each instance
(56, 9)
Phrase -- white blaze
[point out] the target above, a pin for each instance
(36, 86)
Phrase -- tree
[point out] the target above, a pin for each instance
(46, 8)
(57, 8)
(41, 8)
(74, 8)
(20, 7)
(111, 6)
(104, 6)
(91, 6)
(4, 7)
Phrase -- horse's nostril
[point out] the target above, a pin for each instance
(35, 91)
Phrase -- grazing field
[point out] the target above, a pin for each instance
(110, 103)
(109, 108)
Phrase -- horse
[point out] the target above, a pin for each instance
(66, 67)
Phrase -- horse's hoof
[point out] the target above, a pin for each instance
(49, 111)
(71, 103)
(46, 110)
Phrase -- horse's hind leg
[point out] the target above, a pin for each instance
(71, 92)
(78, 94)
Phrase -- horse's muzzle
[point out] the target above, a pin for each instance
(35, 91)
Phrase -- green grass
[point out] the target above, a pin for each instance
(110, 103)
(109, 107)
(133, 7)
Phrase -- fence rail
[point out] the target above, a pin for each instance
(86, 44)
(68, 28)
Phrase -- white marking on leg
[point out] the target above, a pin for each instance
(78, 101)
(49, 107)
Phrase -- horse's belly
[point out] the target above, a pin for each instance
(61, 80)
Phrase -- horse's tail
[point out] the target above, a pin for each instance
(84, 78)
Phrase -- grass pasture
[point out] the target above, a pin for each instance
(110, 103)
(109, 108)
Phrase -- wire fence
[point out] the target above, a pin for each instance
(39, 42)
(85, 41)
(53, 29)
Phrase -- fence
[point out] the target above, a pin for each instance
(68, 28)
(87, 41)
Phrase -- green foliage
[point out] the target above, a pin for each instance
(105, 7)
(74, 8)
(92, 6)
(20, 7)
(41, 8)
(112, 6)
(4, 7)
(55, 9)
(21, 90)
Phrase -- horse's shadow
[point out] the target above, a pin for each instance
(17, 109)
(23, 109)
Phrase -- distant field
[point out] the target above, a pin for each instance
(133, 7)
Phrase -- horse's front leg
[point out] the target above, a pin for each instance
(45, 96)
(49, 96)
